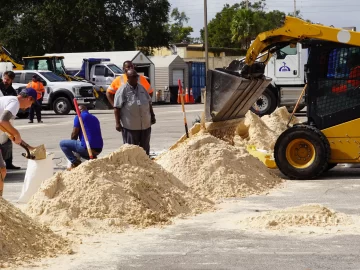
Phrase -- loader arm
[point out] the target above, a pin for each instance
(5, 56)
(294, 30)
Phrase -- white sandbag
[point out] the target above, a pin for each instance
(36, 172)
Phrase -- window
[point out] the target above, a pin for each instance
(28, 77)
(99, 71)
(17, 77)
(52, 77)
(59, 66)
(116, 69)
(282, 53)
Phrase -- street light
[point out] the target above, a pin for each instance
(206, 37)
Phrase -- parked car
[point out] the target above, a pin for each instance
(59, 93)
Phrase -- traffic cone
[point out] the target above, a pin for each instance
(187, 98)
(192, 100)
(179, 98)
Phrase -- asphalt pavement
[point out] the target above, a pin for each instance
(211, 240)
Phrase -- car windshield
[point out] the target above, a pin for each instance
(52, 77)
(115, 69)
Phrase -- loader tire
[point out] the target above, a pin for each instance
(302, 152)
(266, 103)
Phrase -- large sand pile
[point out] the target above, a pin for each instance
(215, 169)
(313, 215)
(22, 240)
(124, 188)
(263, 132)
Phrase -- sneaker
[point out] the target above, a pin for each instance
(31, 121)
(40, 121)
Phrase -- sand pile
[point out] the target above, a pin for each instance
(215, 169)
(301, 216)
(22, 240)
(262, 132)
(110, 193)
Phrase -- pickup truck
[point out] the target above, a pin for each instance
(59, 93)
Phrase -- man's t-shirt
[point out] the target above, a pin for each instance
(93, 130)
(11, 104)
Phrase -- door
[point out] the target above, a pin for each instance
(178, 74)
(99, 75)
(287, 63)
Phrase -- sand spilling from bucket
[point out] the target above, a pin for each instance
(110, 193)
(22, 239)
(309, 215)
(215, 169)
(263, 132)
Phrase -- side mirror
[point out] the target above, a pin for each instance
(43, 82)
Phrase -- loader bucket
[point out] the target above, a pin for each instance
(229, 96)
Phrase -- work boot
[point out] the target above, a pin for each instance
(12, 167)
(74, 165)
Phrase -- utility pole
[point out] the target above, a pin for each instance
(247, 4)
(206, 37)
(294, 8)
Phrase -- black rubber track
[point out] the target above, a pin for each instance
(318, 140)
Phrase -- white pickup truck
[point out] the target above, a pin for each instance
(59, 93)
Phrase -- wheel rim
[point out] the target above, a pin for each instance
(300, 153)
(261, 104)
(61, 106)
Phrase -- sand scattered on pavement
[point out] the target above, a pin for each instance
(307, 215)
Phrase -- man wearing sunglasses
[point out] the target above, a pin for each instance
(133, 111)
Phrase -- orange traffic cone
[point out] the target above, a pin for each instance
(187, 98)
(191, 100)
(179, 98)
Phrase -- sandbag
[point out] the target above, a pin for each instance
(36, 172)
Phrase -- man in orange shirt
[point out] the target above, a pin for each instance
(40, 90)
(122, 79)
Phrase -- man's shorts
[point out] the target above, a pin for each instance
(2, 161)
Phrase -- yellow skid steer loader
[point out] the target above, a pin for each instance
(331, 133)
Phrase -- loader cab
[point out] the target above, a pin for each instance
(333, 77)
(52, 63)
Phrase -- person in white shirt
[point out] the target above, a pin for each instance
(9, 107)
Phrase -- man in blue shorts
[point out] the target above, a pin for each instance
(75, 146)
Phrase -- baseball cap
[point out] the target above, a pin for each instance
(30, 92)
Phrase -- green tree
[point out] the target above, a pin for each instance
(30, 27)
(245, 25)
(219, 34)
(178, 32)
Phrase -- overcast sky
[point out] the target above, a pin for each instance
(339, 13)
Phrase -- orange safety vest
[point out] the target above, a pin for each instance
(355, 75)
(122, 79)
(38, 86)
